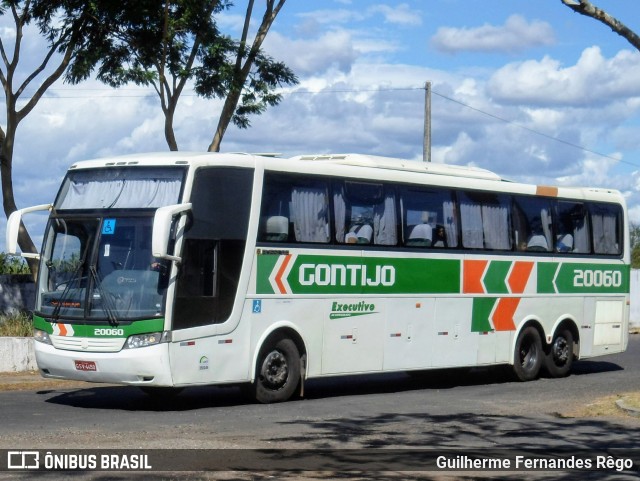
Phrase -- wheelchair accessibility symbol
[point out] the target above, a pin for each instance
(109, 227)
(257, 306)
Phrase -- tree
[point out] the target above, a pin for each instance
(634, 241)
(69, 27)
(585, 7)
(242, 70)
(168, 43)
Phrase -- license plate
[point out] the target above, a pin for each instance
(85, 366)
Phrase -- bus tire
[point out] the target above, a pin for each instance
(559, 359)
(528, 356)
(277, 372)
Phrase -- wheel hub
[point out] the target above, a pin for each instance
(561, 350)
(275, 369)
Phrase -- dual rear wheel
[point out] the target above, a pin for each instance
(530, 357)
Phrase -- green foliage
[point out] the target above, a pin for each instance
(13, 265)
(634, 235)
(16, 325)
(164, 44)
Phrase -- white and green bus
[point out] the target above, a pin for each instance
(174, 270)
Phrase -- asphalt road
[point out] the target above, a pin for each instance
(444, 409)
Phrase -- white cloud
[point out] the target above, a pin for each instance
(310, 56)
(516, 35)
(399, 14)
(593, 80)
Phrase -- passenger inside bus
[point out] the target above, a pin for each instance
(440, 237)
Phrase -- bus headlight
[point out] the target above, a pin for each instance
(41, 336)
(144, 340)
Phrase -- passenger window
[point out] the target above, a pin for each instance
(607, 227)
(365, 213)
(532, 222)
(295, 209)
(572, 228)
(485, 220)
(428, 218)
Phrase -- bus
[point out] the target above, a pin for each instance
(184, 269)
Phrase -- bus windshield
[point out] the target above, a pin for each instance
(120, 188)
(101, 268)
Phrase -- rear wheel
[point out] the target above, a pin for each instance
(277, 372)
(559, 359)
(528, 356)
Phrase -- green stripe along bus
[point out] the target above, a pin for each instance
(180, 269)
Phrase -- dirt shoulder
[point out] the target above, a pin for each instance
(33, 381)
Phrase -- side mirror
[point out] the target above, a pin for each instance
(13, 229)
(162, 230)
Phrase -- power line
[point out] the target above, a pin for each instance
(537, 132)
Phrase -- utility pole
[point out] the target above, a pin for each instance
(426, 146)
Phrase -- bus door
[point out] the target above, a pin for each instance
(208, 276)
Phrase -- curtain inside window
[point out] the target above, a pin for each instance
(385, 231)
(604, 233)
(472, 231)
(450, 227)
(309, 209)
(340, 212)
(135, 189)
(495, 223)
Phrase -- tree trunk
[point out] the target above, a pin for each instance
(8, 200)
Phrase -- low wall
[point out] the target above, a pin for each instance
(16, 354)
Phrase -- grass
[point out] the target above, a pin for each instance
(605, 406)
(16, 325)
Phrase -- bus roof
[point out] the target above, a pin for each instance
(355, 160)
(482, 178)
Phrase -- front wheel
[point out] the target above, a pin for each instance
(528, 356)
(559, 360)
(277, 372)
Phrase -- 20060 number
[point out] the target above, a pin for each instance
(595, 278)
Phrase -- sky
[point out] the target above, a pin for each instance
(529, 90)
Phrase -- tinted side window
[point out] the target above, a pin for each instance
(294, 209)
(485, 220)
(572, 228)
(532, 224)
(429, 218)
(365, 213)
(606, 222)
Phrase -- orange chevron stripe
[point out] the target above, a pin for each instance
(503, 314)
(519, 276)
(63, 329)
(280, 273)
(472, 276)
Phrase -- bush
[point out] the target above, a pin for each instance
(13, 265)
(16, 325)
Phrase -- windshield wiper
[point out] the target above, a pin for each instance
(106, 301)
(67, 288)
